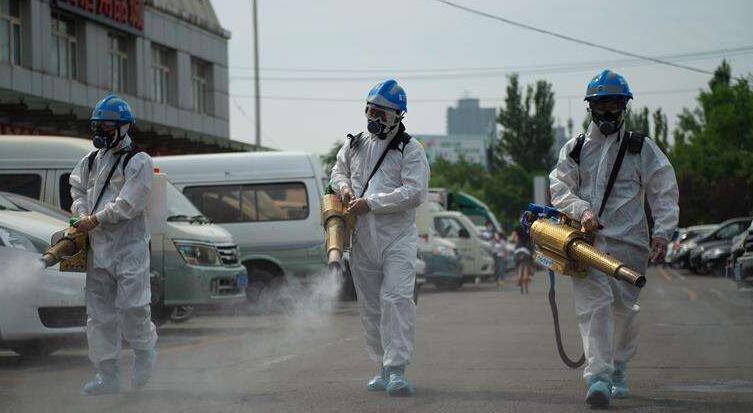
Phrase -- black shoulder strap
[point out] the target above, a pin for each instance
(635, 142)
(128, 157)
(355, 140)
(90, 158)
(107, 182)
(403, 138)
(615, 170)
(575, 152)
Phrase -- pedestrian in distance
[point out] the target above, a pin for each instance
(499, 246)
(383, 175)
(600, 180)
(523, 258)
(110, 188)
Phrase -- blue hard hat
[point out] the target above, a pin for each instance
(388, 94)
(607, 83)
(113, 108)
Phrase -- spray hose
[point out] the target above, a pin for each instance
(557, 334)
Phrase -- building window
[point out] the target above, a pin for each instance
(162, 73)
(64, 47)
(199, 71)
(10, 32)
(118, 62)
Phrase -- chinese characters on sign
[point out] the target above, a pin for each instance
(127, 12)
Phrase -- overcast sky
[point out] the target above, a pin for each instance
(366, 41)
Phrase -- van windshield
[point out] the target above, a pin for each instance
(7, 205)
(178, 205)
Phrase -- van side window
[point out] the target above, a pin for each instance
(23, 184)
(251, 203)
(65, 192)
(447, 227)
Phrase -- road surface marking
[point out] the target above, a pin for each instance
(692, 295)
(665, 274)
(717, 293)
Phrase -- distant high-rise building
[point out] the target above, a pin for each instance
(469, 118)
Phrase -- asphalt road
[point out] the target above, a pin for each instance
(478, 349)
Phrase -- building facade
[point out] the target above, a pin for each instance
(469, 118)
(471, 148)
(167, 58)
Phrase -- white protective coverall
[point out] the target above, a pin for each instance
(385, 242)
(117, 280)
(607, 308)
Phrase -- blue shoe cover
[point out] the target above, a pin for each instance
(106, 381)
(379, 382)
(599, 393)
(620, 389)
(398, 385)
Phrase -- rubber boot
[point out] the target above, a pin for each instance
(620, 389)
(398, 385)
(143, 363)
(599, 392)
(379, 382)
(106, 381)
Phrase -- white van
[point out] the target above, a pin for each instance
(269, 201)
(193, 262)
(476, 253)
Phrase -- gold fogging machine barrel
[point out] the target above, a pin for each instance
(337, 229)
(565, 249)
(68, 248)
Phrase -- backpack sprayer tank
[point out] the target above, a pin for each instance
(68, 248)
(564, 249)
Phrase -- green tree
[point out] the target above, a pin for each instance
(527, 126)
(637, 121)
(713, 151)
(329, 158)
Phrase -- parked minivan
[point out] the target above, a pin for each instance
(444, 266)
(193, 262)
(269, 201)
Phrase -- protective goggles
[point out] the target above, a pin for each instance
(608, 105)
(385, 116)
(103, 125)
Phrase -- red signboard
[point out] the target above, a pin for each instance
(128, 13)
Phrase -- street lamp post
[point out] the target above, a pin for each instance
(257, 97)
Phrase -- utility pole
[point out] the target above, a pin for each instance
(257, 97)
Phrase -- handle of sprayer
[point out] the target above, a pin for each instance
(536, 211)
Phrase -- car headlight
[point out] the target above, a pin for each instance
(714, 253)
(198, 254)
(443, 250)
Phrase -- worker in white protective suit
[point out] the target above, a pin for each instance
(383, 260)
(607, 308)
(110, 188)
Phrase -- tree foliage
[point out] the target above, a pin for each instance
(713, 151)
(527, 127)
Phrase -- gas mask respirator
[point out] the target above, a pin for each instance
(381, 122)
(608, 122)
(608, 113)
(107, 134)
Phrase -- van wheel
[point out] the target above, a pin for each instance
(34, 349)
(448, 284)
(160, 313)
(261, 281)
(347, 288)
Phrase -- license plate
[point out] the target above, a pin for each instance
(242, 280)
